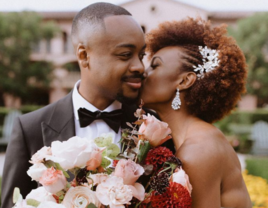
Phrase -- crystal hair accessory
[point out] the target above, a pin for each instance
(210, 61)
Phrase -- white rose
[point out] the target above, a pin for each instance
(80, 197)
(36, 171)
(40, 194)
(40, 155)
(22, 204)
(72, 153)
(49, 204)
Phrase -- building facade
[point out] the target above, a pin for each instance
(148, 13)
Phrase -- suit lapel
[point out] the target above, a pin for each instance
(61, 123)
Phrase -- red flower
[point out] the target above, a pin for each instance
(115, 163)
(56, 198)
(158, 156)
(175, 196)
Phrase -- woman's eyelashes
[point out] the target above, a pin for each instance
(154, 65)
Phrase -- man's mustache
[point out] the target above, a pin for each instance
(134, 76)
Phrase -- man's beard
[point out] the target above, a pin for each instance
(126, 100)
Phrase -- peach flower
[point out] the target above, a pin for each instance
(155, 131)
(80, 197)
(182, 178)
(53, 180)
(114, 193)
(95, 160)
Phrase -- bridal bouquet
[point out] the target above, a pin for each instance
(83, 173)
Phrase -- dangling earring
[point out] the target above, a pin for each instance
(176, 103)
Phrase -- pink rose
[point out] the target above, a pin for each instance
(40, 155)
(155, 131)
(128, 170)
(95, 160)
(80, 197)
(114, 193)
(53, 180)
(182, 178)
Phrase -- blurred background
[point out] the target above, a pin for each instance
(38, 65)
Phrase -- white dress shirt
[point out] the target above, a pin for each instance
(97, 127)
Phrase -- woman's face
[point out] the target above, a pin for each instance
(162, 77)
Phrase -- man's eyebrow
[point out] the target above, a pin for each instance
(126, 45)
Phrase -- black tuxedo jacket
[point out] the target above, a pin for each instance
(34, 130)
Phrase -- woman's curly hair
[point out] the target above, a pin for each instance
(214, 96)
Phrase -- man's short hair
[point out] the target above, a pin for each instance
(94, 14)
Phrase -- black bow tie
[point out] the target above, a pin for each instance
(113, 118)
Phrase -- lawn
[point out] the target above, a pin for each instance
(257, 166)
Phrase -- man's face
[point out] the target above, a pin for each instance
(115, 59)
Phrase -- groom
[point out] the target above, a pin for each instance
(109, 45)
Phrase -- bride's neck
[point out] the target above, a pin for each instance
(179, 122)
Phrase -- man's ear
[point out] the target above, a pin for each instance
(186, 80)
(81, 55)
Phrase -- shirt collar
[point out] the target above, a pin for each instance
(80, 102)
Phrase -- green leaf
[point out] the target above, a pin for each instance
(112, 151)
(49, 163)
(16, 195)
(32, 202)
(144, 149)
(58, 167)
(91, 205)
(103, 141)
(109, 170)
(105, 162)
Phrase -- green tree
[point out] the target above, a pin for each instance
(252, 36)
(19, 32)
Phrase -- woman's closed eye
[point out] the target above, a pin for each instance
(155, 63)
(154, 66)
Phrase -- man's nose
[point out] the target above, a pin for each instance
(137, 66)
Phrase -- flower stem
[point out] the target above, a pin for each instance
(148, 194)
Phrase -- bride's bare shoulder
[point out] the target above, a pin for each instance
(204, 143)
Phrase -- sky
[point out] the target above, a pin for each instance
(76, 5)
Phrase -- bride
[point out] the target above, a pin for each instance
(196, 77)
